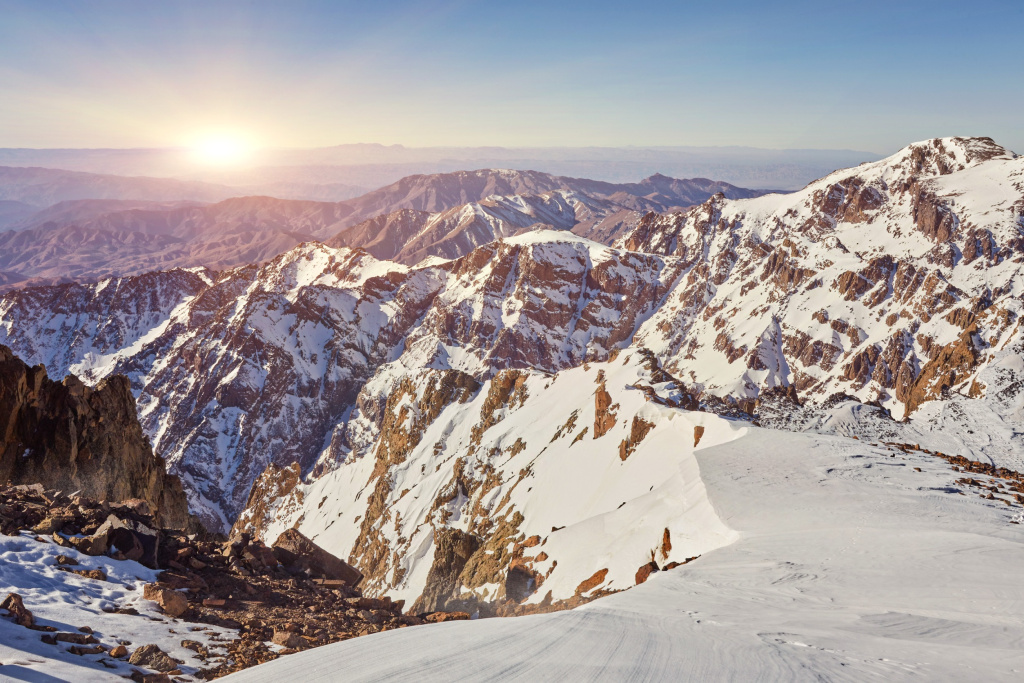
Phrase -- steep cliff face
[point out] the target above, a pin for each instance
(68, 436)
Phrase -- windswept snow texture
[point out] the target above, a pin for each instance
(848, 565)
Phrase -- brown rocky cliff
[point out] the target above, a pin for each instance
(950, 365)
(604, 411)
(70, 437)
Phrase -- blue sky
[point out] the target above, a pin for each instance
(868, 76)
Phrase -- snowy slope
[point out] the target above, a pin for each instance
(847, 564)
(67, 602)
(513, 460)
(854, 284)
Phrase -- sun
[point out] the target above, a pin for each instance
(222, 150)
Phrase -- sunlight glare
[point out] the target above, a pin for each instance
(222, 150)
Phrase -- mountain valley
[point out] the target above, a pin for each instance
(506, 393)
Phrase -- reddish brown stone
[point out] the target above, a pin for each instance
(645, 571)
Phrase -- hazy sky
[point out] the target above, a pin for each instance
(859, 75)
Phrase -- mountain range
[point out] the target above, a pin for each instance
(316, 173)
(506, 393)
(891, 282)
(96, 238)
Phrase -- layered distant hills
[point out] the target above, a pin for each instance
(443, 215)
(327, 173)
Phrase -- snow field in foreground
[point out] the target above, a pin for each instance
(68, 601)
(850, 565)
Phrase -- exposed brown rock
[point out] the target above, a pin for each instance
(130, 537)
(593, 582)
(298, 553)
(698, 432)
(931, 215)
(440, 617)
(452, 550)
(95, 574)
(76, 638)
(152, 657)
(287, 638)
(16, 610)
(645, 571)
(950, 365)
(67, 436)
(273, 485)
(666, 544)
(172, 602)
(637, 432)
(604, 411)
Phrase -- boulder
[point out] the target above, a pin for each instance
(152, 657)
(173, 603)
(287, 638)
(134, 540)
(90, 545)
(438, 617)
(140, 677)
(95, 574)
(75, 638)
(51, 523)
(298, 553)
(16, 608)
(645, 571)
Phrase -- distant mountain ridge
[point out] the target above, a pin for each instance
(92, 239)
(43, 187)
(375, 165)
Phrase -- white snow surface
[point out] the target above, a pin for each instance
(847, 565)
(67, 602)
(609, 513)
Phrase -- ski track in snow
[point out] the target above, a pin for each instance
(850, 566)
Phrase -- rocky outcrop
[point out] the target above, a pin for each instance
(924, 227)
(70, 437)
(604, 411)
(452, 549)
(239, 586)
(639, 429)
(273, 487)
(951, 365)
(299, 554)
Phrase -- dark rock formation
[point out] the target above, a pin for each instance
(453, 548)
(69, 437)
(298, 553)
